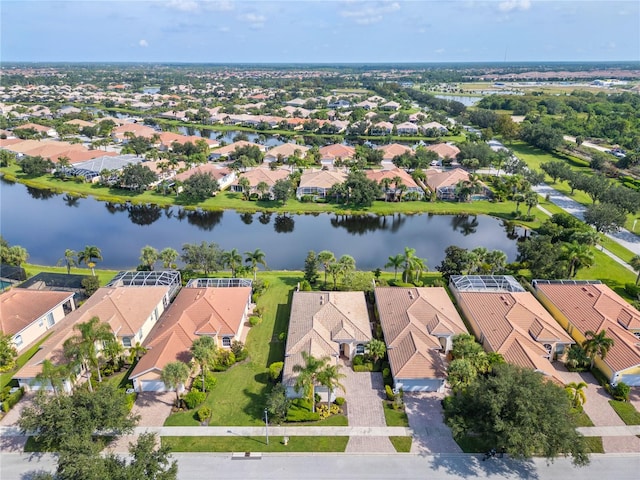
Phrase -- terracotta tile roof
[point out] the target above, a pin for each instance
(215, 170)
(437, 179)
(194, 312)
(319, 321)
(80, 123)
(596, 307)
(36, 127)
(444, 150)
(20, 307)
(321, 179)
(337, 150)
(515, 325)
(263, 174)
(413, 320)
(393, 150)
(287, 150)
(226, 150)
(137, 129)
(378, 175)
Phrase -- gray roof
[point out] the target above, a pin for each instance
(109, 163)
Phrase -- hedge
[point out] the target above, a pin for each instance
(367, 367)
(194, 398)
(12, 399)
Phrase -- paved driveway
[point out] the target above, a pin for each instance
(15, 444)
(426, 419)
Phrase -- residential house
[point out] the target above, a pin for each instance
(411, 187)
(330, 153)
(122, 132)
(389, 152)
(431, 126)
(27, 315)
(395, 106)
(284, 151)
(317, 183)
(41, 129)
(407, 128)
(444, 150)
(367, 105)
(381, 128)
(220, 313)
(443, 184)
(324, 324)
(508, 320)
(223, 175)
(418, 326)
(258, 175)
(225, 151)
(582, 306)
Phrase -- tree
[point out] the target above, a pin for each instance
(8, 352)
(278, 403)
(395, 262)
(35, 166)
(413, 266)
(174, 375)
(307, 377)
(262, 188)
(461, 373)
(168, 256)
(70, 259)
(456, 262)
(89, 256)
(203, 350)
(282, 190)
(245, 184)
(233, 260)
(137, 177)
(91, 332)
(255, 258)
(346, 265)
(329, 377)
(597, 345)
(199, 186)
(577, 397)
(519, 410)
(149, 256)
(530, 200)
(604, 217)
(311, 268)
(578, 255)
(635, 264)
(15, 255)
(136, 352)
(206, 257)
(149, 461)
(326, 258)
(376, 348)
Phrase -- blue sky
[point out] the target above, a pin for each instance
(221, 31)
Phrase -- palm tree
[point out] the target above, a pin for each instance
(578, 255)
(395, 262)
(254, 258)
(69, 260)
(245, 184)
(334, 270)
(530, 200)
(576, 393)
(376, 348)
(91, 332)
(597, 344)
(262, 187)
(326, 258)
(413, 266)
(518, 198)
(88, 256)
(347, 264)
(113, 350)
(635, 264)
(55, 375)
(203, 350)
(308, 376)
(330, 377)
(136, 352)
(168, 256)
(148, 256)
(232, 259)
(385, 183)
(174, 375)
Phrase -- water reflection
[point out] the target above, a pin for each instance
(465, 224)
(41, 194)
(70, 200)
(204, 219)
(246, 218)
(362, 224)
(283, 224)
(113, 208)
(264, 218)
(144, 214)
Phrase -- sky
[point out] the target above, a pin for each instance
(310, 31)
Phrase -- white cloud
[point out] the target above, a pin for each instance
(184, 5)
(254, 19)
(219, 5)
(143, 43)
(509, 5)
(366, 13)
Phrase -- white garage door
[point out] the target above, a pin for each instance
(152, 386)
(631, 380)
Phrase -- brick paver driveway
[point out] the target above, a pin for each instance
(426, 419)
(15, 444)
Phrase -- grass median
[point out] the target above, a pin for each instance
(255, 444)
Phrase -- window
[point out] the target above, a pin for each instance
(560, 349)
(140, 334)
(41, 322)
(126, 342)
(359, 349)
(226, 341)
(548, 347)
(17, 340)
(50, 320)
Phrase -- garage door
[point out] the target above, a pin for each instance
(152, 386)
(631, 380)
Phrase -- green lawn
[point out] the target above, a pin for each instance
(401, 444)
(255, 444)
(394, 418)
(104, 275)
(626, 411)
(594, 444)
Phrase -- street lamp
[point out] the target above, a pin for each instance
(266, 425)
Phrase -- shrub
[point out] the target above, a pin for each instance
(90, 285)
(203, 414)
(275, 369)
(367, 367)
(194, 398)
(12, 399)
(339, 401)
(632, 290)
(237, 347)
(390, 395)
(209, 382)
(305, 286)
(300, 411)
(226, 358)
(358, 360)
(254, 320)
(621, 392)
(131, 399)
(282, 336)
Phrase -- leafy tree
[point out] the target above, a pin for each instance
(149, 256)
(137, 177)
(282, 190)
(14, 255)
(69, 260)
(35, 166)
(326, 258)
(8, 352)
(174, 375)
(635, 264)
(376, 348)
(395, 262)
(519, 410)
(329, 377)
(307, 377)
(90, 285)
(311, 268)
(604, 217)
(542, 257)
(89, 256)
(597, 345)
(542, 136)
(255, 258)
(456, 261)
(168, 256)
(278, 403)
(203, 350)
(556, 169)
(148, 460)
(206, 257)
(199, 186)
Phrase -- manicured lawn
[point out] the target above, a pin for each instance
(626, 411)
(104, 275)
(581, 419)
(332, 421)
(401, 444)
(240, 394)
(394, 418)
(608, 271)
(255, 444)
(5, 377)
(594, 444)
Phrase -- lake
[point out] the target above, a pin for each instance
(46, 224)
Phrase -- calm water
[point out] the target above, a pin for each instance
(463, 99)
(228, 136)
(46, 224)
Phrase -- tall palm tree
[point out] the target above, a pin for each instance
(53, 374)
(168, 256)
(330, 377)
(255, 258)
(245, 184)
(347, 265)
(395, 262)
(203, 350)
(113, 350)
(233, 260)
(307, 377)
(174, 375)
(91, 332)
(69, 260)
(530, 200)
(597, 345)
(326, 258)
(89, 255)
(576, 393)
(148, 256)
(385, 183)
(578, 255)
(635, 264)
(136, 352)
(334, 270)
(262, 187)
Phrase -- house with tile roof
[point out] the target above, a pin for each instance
(588, 305)
(225, 151)
(121, 132)
(444, 150)
(389, 152)
(284, 151)
(407, 128)
(443, 183)
(317, 183)
(223, 175)
(330, 153)
(131, 312)
(27, 315)
(324, 324)
(220, 313)
(381, 128)
(392, 191)
(258, 175)
(418, 326)
(508, 320)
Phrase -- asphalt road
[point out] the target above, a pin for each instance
(365, 467)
